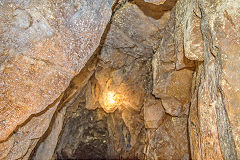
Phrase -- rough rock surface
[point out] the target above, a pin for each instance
(172, 86)
(47, 147)
(157, 2)
(24, 140)
(169, 140)
(214, 116)
(43, 45)
(124, 69)
(132, 98)
(154, 113)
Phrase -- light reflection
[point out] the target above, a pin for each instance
(110, 98)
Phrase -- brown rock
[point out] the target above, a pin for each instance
(228, 43)
(134, 124)
(179, 86)
(47, 147)
(180, 24)
(5, 147)
(172, 106)
(153, 113)
(155, 11)
(136, 33)
(174, 88)
(166, 49)
(193, 42)
(56, 41)
(38, 85)
(157, 2)
(91, 95)
(216, 97)
(27, 136)
(169, 141)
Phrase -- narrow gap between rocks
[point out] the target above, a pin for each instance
(129, 101)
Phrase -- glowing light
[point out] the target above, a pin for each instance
(110, 98)
(110, 102)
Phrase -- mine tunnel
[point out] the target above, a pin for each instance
(119, 79)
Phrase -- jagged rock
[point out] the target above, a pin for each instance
(134, 123)
(120, 133)
(132, 38)
(24, 140)
(43, 45)
(214, 114)
(172, 106)
(91, 95)
(84, 134)
(167, 82)
(153, 113)
(193, 41)
(46, 148)
(181, 9)
(127, 48)
(183, 55)
(169, 140)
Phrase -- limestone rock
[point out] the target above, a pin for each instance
(43, 45)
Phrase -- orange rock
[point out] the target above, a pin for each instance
(157, 2)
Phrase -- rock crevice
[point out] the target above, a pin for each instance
(126, 79)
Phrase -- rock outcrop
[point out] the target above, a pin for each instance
(44, 44)
(206, 33)
(214, 114)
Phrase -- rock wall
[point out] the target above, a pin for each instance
(137, 126)
(124, 69)
(164, 83)
(207, 34)
(213, 122)
(44, 44)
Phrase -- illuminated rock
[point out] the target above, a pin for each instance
(157, 2)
